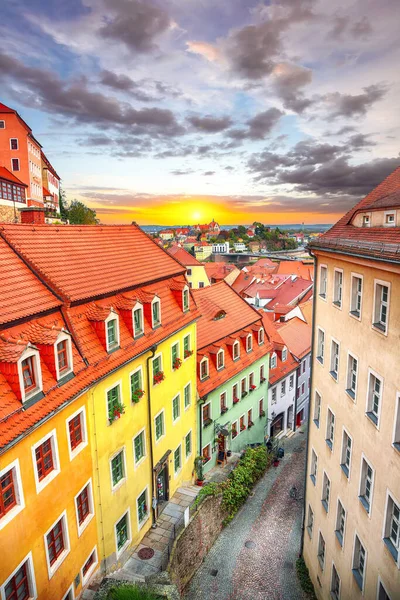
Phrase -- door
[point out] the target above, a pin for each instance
(299, 418)
(162, 485)
(290, 417)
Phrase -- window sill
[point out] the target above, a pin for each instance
(358, 578)
(351, 394)
(45, 482)
(364, 503)
(9, 516)
(339, 537)
(312, 477)
(380, 328)
(74, 453)
(120, 483)
(322, 296)
(334, 375)
(325, 505)
(345, 470)
(355, 314)
(329, 444)
(137, 336)
(113, 349)
(320, 359)
(123, 548)
(337, 304)
(316, 423)
(32, 398)
(372, 417)
(64, 378)
(139, 462)
(392, 549)
(57, 564)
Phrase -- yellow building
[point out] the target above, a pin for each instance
(202, 250)
(196, 273)
(352, 504)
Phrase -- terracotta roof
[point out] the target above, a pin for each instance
(283, 368)
(296, 267)
(242, 281)
(22, 294)
(306, 308)
(184, 257)
(86, 261)
(7, 110)
(288, 293)
(6, 174)
(297, 336)
(220, 270)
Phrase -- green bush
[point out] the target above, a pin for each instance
(131, 592)
(304, 579)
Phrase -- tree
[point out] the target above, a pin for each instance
(80, 214)
(63, 205)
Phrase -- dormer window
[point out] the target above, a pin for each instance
(63, 355)
(185, 299)
(249, 343)
(390, 219)
(156, 313)
(236, 350)
(220, 359)
(273, 361)
(284, 354)
(204, 368)
(366, 221)
(138, 328)
(30, 374)
(260, 336)
(112, 332)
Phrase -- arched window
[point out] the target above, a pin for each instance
(273, 361)
(220, 359)
(249, 343)
(204, 368)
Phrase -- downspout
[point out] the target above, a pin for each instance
(104, 562)
(153, 350)
(309, 404)
(295, 398)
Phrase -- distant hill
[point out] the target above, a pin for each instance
(293, 227)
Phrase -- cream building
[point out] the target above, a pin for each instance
(352, 503)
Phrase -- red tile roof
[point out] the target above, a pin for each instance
(283, 368)
(219, 270)
(6, 174)
(296, 267)
(86, 261)
(184, 257)
(297, 336)
(290, 292)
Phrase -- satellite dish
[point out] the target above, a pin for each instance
(224, 431)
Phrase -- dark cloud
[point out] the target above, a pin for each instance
(290, 78)
(125, 84)
(136, 23)
(96, 140)
(342, 131)
(44, 90)
(209, 124)
(347, 105)
(208, 173)
(182, 172)
(258, 127)
(360, 140)
(341, 24)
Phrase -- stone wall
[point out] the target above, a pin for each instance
(7, 215)
(194, 543)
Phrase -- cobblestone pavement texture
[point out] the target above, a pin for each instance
(271, 519)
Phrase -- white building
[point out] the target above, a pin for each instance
(221, 248)
(239, 247)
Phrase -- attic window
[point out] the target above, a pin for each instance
(112, 333)
(185, 299)
(156, 312)
(273, 361)
(30, 375)
(220, 359)
(204, 368)
(137, 320)
(390, 219)
(219, 315)
(236, 350)
(249, 343)
(260, 336)
(366, 221)
(284, 354)
(63, 356)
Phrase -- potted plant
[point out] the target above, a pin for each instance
(252, 388)
(250, 424)
(235, 400)
(262, 413)
(188, 353)
(116, 411)
(262, 379)
(198, 467)
(177, 363)
(158, 377)
(137, 394)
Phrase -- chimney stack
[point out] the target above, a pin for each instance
(32, 215)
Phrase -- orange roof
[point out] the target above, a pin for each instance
(296, 267)
(242, 281)
(289, 292)
(219, 270)
(22, 294)
(46, 192)
(184, 257)
(306, 308)
(6, 174)
(283, 368)
(87, 261)
(297, 336)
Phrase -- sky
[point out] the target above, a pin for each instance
(180, 111)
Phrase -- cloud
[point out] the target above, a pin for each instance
(208, 51)
(347, 105)
(124, 83)
(136, 23)
(209, 124)
(208, 173)
(289, 79)
(258, 127)
(182, 172)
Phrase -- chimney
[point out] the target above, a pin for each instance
(32, 215)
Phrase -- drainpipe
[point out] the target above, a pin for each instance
(309, 403)
(295, 398)
(153, 350)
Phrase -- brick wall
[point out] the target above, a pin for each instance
(194, 543)
(7, 215)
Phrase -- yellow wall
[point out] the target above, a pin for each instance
(202, 252)
(198, 274)
(25, 532)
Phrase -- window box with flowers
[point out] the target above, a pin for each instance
(242, 427)
(137, 395)
(234, 431)
(224, 409)
(244, 394)
(262, 380)
(262, 413)
(115, 411)
(206, 458)
(158, 377)
(207, 422)
(250, 425)
(235, 400)
(188, 353)
(252, 388)
(177, 364)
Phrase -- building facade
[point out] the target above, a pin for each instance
(352, 504)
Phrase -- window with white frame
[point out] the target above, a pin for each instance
(326, 491)
(283, 388)
(186, 299)
(382, 593)
(291, 382)
(177, 459)
(323, 280)
(330, 428)
(137, 390)
(15, 164)
(187, 395)
(139, 447)
(284, 354)
(249, 343)
(340, 522)
(142, 508)
(317, 408)
(356, 295)
(176, 407)
(352, 369)
(56, 541)
(374, 398)
(273, 395)
(159, 425)
(138, 322)
(346, 453)
(334, 371)
(204, 368)
(21, 583)
(273, 361)
(76, 432)
(63, 356)
(310, 521)
(11, 493)
(187, 350)
(359, 562)
(84, 507)
(118, 469)
(335, 584)
(338, 288)
(314, 466)
(156, 313)
(220, 359)
(321, 551)
(89, 566)
(381, 306)
(122, 532)
(396, 433)
(260, 336)
(366, 484)
(188, 445)
(366, 221)
(236, 350)
(30, 374)
(391, 534)
(321, 346)
(2, 124)
(175, 359)
(46, 464)
(158, 373)
(115, 407)
(112, 333)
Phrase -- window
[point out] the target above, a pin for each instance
(352, 366)
(178, 459)
(11, 494)
(335, 584)
(13, 144)
(273, 395)
(139, 447)
(262, 374)
(236, 351)
(338, 288)
(76, 426)
(15, 164)
(252, 385)
(260, 336)
(323, 279)
(206, 412)
(220, 359)
(62, 358)
(89, 567)
(381, 307)
(250, 418)
(2, 124)
(314, 467)
(159, 425)
(321, 346)
(56, 544)
(283, 388)
(249, 343)
(29, 375)
(284, 354)
(390, 219)
(243, 385)
(273, 361)
(317, 408)
(206, 453)
(138, 328)
(334, 360)
(326, 491)
(291, 382)
(201, 284)
(359, 562)
(234, 430)
(117, 469)
(356, 295)
(321, 551)
(122, 533)
(392, 527)
(156, 313)
(44, 459)
(175, 360)
(188, 444)
(187, 394)
(382, 593)
(396, 436)
(340, 522)
(142, 508)
(185, 299)
(84, 507)
(114, 404)
(222, 403)
(186, 347)
(330, 428)
(204, 368)
(346, 453)
(188, 271)
(136, 386)
(176, 408)
(242, 424)
(112, 334)
(158, 374)
(366, 221)
(366, 484)
(261, 411)
(310, 521)
(375, 386)
(21, 584)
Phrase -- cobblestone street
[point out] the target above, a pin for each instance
(270, 524)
